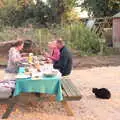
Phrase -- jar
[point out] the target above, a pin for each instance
(30, 58)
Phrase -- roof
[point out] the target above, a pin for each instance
(117, 15)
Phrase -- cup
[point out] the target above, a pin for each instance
(50, 66)
(21, 70)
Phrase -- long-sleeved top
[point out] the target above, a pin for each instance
(12, 64)
(55, 56)
(64, 64)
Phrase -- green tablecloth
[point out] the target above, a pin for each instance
(50, 85)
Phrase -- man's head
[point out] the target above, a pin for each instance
(60, 43)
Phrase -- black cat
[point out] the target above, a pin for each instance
(103, 93)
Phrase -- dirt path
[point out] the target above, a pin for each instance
(91, 108)
(96, 61)
(88, 108)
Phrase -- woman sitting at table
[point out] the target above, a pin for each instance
(55, 53)
(15, 57)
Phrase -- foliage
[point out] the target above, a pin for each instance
(76, 36)
(101, 8)
(24, 12)
(39, 36)
(61, 8)
(70, 16)
(18, 15)
(111, 51)
(7, 34)
(9, 14)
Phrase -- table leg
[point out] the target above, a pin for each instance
(52, 98)
(37, 94)
(67, 107)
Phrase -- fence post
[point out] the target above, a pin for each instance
(102, 42)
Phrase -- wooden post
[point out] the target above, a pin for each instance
(67, 107)
(11, 105)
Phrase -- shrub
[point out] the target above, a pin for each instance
(77, 36)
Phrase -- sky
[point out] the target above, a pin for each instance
(83, 14)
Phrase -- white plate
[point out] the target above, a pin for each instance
(37, 74)
(51, 73)
(22, 76)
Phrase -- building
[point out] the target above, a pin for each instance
(116, 31)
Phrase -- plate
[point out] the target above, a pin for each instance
(50, 74)
(25, 64)
(22, 76)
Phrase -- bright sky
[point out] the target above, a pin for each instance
(44, 0)
(83, 14)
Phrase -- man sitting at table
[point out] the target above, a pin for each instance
(64, 64)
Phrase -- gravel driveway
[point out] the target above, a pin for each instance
(88, 108)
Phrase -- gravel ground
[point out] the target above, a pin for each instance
(88, 108)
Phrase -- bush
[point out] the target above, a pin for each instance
(78, 37)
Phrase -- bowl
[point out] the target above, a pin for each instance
(50, 74)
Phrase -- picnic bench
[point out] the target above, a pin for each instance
(70, 93)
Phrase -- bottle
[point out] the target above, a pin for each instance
(30, 58)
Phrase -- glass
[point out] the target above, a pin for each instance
(21, 70)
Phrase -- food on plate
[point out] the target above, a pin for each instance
(37, 66)
(22, 76)
(27, 73)
(26, 69)
(50, 73)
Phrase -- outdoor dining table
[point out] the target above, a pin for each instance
(49, 85)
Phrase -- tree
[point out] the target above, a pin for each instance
(18, 12)
(23, 12)
(101, 8)
(1, 3)
(59, 7)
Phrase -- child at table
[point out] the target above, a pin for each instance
(54, 54)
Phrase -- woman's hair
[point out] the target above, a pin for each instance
(18, 43)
